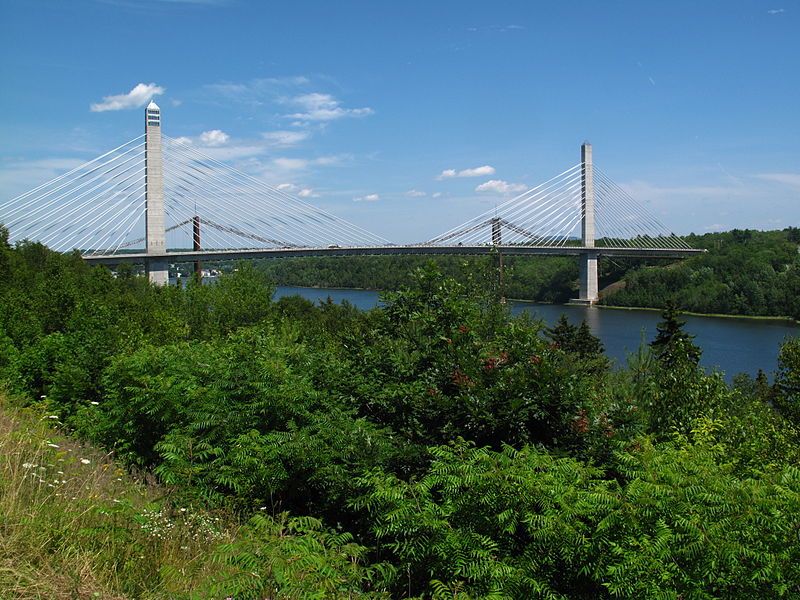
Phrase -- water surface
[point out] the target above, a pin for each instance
(728, 344)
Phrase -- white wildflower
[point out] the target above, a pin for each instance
(85, 461)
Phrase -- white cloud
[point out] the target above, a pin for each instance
(789, 179)
(302, 192)
(295, 164)
(217, 145)
(415, 194)
(436, 195)
(497, 28)
(255, 92)
(327, 161)
(285, 138)
(291, 164)
(137, 97)
(215, 137)
(232, 151)
(367, 198)
(776, 11)
(498, 186)
(477, 171)
(473, 172)
(324, 107)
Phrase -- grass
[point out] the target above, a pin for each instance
(74, 525)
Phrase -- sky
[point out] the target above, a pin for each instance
(408, 118)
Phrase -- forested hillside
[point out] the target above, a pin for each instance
(744, 272)
(434, 447)
(543, 279)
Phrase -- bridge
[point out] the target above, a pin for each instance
(157, 201)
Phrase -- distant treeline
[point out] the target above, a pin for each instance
(744, 272)
(536, 278)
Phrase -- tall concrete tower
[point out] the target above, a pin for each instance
(156, 263)
(588, 260)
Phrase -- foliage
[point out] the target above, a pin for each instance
(439, 365)
(434, 445)
(744, 272)
(673, 345)
(296, 557)
(543, 279)
(526, 524)
(787, 381)
(579, 344)
(75, 526)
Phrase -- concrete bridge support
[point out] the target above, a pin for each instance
(587, 282)
(587, 285)
(157, 263)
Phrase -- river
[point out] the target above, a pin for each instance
(731, 345)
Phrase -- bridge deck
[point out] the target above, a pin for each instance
(222, 255)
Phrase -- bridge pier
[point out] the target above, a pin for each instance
(157, 268)
(587, 278)
(587, 281)
(157, 264)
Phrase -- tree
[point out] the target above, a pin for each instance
(787, 381)
(588, 343)
(563, 334)
(672, 344)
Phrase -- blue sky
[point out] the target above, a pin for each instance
(361, 107)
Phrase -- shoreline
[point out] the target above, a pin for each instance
(699, 314)
(784, 319)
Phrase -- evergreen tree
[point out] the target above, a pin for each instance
(672, 344)
(563, 334)
(575, 340)
(587, 343)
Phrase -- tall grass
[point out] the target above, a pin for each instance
(75, 525)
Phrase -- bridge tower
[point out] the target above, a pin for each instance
(156, 263)
(587, 284)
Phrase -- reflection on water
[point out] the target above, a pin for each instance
(730, 345)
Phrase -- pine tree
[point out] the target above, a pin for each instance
(672, 344)
(587, 343)
(563, 334)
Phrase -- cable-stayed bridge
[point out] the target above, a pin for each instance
(157, 200)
